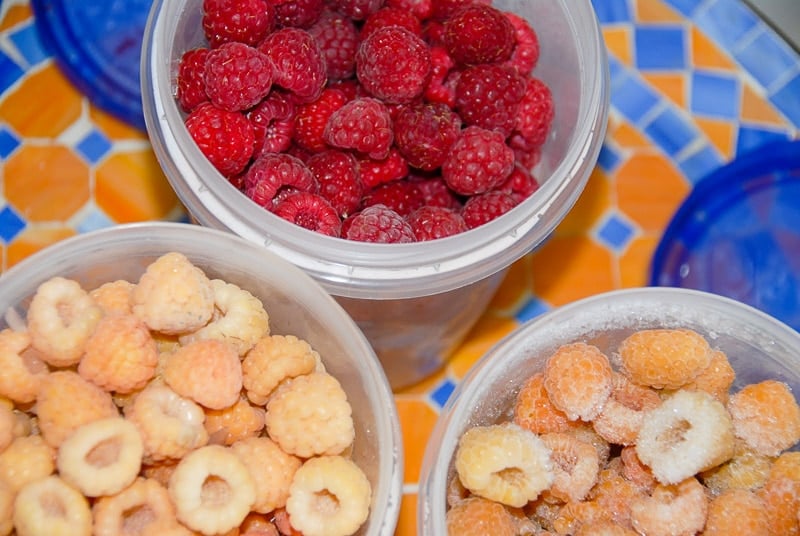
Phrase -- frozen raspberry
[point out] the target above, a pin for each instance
(310, 211)
(424, 133)
(478, 161)
(298, 63)
(191, 83)
(444, 9)
(391, 16)
(526, 53)
(766, 416)
(664, 358)
(379, 224)
(237, 76)
(310, 415)
(479, 33)
(337, 38)
(401, 196)
(338, 178)
(273, 172)
(436, 192)
(244, 21)
(273, 123)
(439, 89)
(374, 172)
(393, 64)
(225, 138)
(429, 223)
(356, 9)
(311, 119)
(577, 378)
(520, 184)
(475, 512)
(362, 124)
(422, 9)
(536, 111)
(298, 13)
(489, 96)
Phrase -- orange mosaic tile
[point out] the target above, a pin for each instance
(417, 419)
(656, 11)
(722, 134)
(15, 15)
(757, 109)
(627, 136)
(514, 291)
(407, 522)
(618, 42)
(593, 203)
(671, 85)
(706, 54)
(634, 263)
(489, 329)
(35, 239)
(113, 127)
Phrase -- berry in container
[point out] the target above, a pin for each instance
(652, 410)
(196, 378)
(405, 170)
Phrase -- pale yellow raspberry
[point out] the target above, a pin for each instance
(121, 355)
(310, 416)
(21, 367)
(141, 507)
(271, 468)
(66, 401)
(26, 459)
(239, 421)
(114, 297)
(208, 371)
(6, 509)
(173, 295)
(53, 507)
(274, 359)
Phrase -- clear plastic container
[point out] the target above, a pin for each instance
(415, 302)
(296, 305)
(758, 346)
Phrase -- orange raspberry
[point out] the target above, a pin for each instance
(120, 355)
(273, 359)
(575, 466)
(671, 509)
(229, 425)
(114, 297)
(208, 371)
(26, 459)
(736, 511)
(22, 366)
(577, 378)
(717, 378)
(272, 471)
(746, 470)
(781, 496)
(624, 411)
(477, 516)
(767, 416)
(664, 358)
(614, 493)
(534, 410)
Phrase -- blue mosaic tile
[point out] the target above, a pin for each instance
(726, 22)
(767, 58)
(715, 95)
(26, 39)
(617, 72)
(608, 158)
(612, 11)
(686, 7)
(94, 146)
(96, 219)
(8, 142)
(532, 309)
(752, 136)
(700, 163)
(615, 233)
(787, 99)
(671, 131)
(660, 47)
(10, 72)
(442, 393)
(11, 224)
(633, 98)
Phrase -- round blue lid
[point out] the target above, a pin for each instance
(97, 44)
(737, 234)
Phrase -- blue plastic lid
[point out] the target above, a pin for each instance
(737, 234)
(97, 43)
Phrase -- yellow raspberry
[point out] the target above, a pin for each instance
(51, 506)
(767, 416)
(6, 509)
(114, 297)
(272, 360)
(207, 371)
(239, 421)
(27, 458)
(477, 516)
(272, 470)
(747, 469)
(311, 416)
(137, 509)
(577, 378)
(664, 358)
(21, 367)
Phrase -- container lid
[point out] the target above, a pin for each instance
(97, 43)
(737, 234)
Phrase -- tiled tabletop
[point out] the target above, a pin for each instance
(694, 83)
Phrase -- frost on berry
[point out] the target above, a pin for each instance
(237, 76)
(364, 125)
(393, 64)
(478, 161)
(299, 66)
(479, 34)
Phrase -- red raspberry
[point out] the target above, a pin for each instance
(479, 160)
(298, 13)
(433, 33)
(391, 16)
(520, 184)
(356, 9)
(525, 153)
(436, 192)
(191, 82)
(393, 64)
(479, 34)
(225, 138)
(429, 223)
(337, 38)
(422, 9)
(401, 196)
(237, 76)
(350, 87)
(439, 88)
(336, 173)
(298, 61)
(272, 172)
(526, 54)
(379, 224)
(489, 96)
(311, 118)
(244, 21)
(310, 211)
(424, 133)
(363, 125)
(444, 9)
(485, 207)
(273, 123)
(374, 172)
(536, 112)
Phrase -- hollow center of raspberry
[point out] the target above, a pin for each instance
(216, 492)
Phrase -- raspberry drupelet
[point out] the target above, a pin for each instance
(379, 224)
(479, 34)
(225, 138)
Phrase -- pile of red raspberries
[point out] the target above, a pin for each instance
(372, 120)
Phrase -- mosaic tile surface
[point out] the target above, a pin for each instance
(694, 83)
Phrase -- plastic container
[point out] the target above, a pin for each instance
(415, 302)
(758, 346)
(295, 303)
(737, 234)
